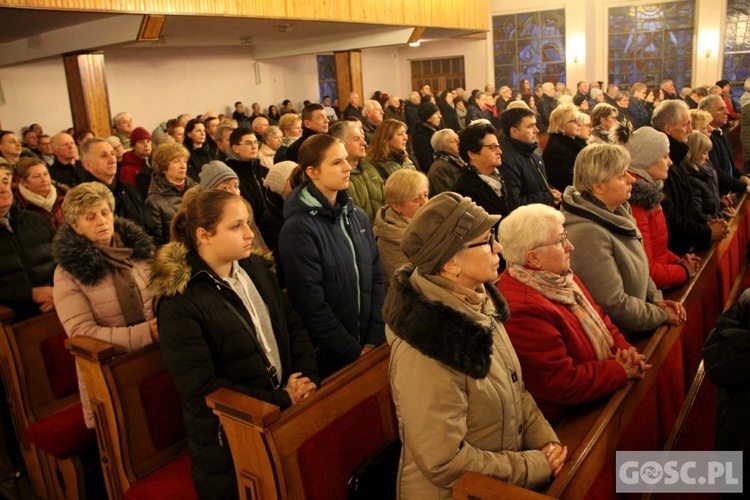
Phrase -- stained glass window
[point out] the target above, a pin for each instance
(529, 45)
(737, 45)
(651, 43)
(327, 85)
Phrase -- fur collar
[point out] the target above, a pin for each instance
(439, 332)
(645, 194)
(78, 256)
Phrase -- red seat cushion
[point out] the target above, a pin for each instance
(163, 408)
(63, 434)
(60, 366)
(170, 481)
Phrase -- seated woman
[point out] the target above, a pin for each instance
(480, 180)
(603, 119)
(201, 147)
(101, 281)
(290, 126)
(611, 260)
(707, 202)
(467, 412)
(387, 153)
(37, 192)
(569, 350)
(333, 272)
(650, 166)
(271, 143)
(447, 164)
(169, 181)
(406, 191)
(224, 322)
(562, 146)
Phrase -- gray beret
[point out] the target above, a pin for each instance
(442, 228)
(214, 173)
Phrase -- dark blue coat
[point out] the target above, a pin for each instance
(333, 274)
(524, 174)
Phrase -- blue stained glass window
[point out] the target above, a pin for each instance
(737, 45)
(650, 43)
(529, 45)
(327, 84)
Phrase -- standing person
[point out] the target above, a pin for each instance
(448, 110)
(37, 192)
(563, 145)
(331, 263)
(387, 153)
(223, 322)
(201, 147)
(138, 158)
(429, 122)
(467, 412)
(168, 183)
(278, 182)
(314, 121)
(447, 162)
(242, 157)
(101, 282)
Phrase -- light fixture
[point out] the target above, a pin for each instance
(414, 44)
(707, 53)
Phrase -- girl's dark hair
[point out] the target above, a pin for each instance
(296, 177)
(313, 150)
(205, 210)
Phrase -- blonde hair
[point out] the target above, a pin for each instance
(167, 152)
(699, 118)
(84, 197)
(403, 185)
(698, 144)
(598, 163)
(287, 121)
(560, 115)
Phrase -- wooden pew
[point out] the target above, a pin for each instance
(310, 450)
(642, 415)
(42, 393)
(138, 417)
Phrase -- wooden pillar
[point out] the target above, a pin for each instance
(87, 90)
(349, 75)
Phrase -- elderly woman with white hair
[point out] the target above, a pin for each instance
(406, 191)
(447, 163)
(562, 146)
(611, 260)
(570, 351)
(455, 380)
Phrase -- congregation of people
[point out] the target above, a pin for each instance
(510, 246)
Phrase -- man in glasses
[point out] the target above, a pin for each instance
(242, 157)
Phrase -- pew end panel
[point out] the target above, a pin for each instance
(281, 455)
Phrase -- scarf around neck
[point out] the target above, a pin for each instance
(117, 256)
(45, 202)
(565, 290)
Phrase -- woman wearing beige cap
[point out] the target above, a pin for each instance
(451, 356)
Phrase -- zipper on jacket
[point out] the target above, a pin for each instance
(345, 222)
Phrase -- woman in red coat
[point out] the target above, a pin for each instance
(570, 351)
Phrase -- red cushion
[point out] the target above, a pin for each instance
(63, 434)
(163, 409)
(60, 366)
(170, 481)
(327, 459)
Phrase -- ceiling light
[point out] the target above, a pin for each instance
(414, 44)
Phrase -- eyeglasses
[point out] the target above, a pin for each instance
(492, 147)
(492, 239)
(578, 121)
(562, 242)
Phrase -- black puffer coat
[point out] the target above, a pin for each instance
(206, 347)
(25, 260)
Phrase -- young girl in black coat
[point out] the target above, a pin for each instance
(224, 322)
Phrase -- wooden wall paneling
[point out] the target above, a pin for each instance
(460, 14)
(87, 91)
(349, 75)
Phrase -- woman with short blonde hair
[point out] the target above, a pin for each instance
(169, 181)
(604, 118)
(562, 146)
(707, 202)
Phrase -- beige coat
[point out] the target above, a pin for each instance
(459, 407)
(92, 310)
(389, 229)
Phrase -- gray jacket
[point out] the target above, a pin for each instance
(610, 260)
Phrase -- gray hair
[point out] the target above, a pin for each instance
(370, 105)
(668, 112)
(87, 144)
(270, 132)
(598, 163)
(440, 138)
(342, 128)
(119, 116)
(525, 228)
(706, 104)
(403, 185)
(84, 197)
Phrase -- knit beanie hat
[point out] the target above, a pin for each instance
(277, 176)
(443, 227)
(426, 110)
(214, 173)
(139, 134)
(646, 145)
(594, 93)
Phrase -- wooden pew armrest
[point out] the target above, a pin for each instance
(243, 407)
(473, 485)
(6, 314)
(90, 348)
